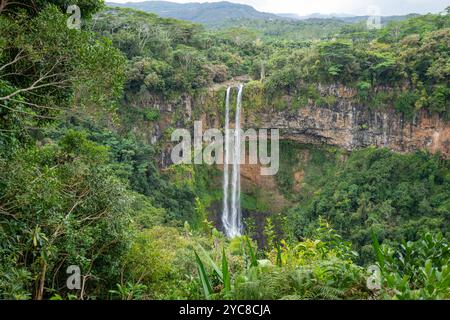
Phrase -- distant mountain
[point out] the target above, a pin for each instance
(222, 14)
(314, 16)
(211, 14)
(343, 17)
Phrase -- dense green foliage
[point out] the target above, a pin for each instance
(410, 57)
(324, 269)
(404, 280)
(395, 196)
(83, 179)
(40, 82)
(73, 212)
(169, 56)
(310, 269)
(288, 30)
(404, 65)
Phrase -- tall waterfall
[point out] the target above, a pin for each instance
(231, 215)
(225, 213)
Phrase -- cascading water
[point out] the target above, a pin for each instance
(231, 215)
(225, 213)
(236, 182)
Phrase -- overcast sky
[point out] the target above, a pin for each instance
(355, 7)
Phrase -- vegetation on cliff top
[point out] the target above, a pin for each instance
(76, 189)
(404, 65)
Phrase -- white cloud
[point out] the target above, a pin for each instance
(356, 7)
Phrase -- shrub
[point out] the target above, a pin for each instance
(73, 213)
(405, 103)
(152, 115)
(416, 270)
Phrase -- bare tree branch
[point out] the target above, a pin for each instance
(29, 113)
(36, 105)
(5, 3)
(35, 86)
(18, 57)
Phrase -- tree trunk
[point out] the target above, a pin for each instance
(40, 292)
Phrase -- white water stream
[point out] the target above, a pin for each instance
(231, 215)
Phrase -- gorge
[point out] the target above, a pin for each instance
(346, 123)
(88, 181)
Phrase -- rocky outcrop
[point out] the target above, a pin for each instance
(349, 125)
(352, 127)
(345, 124)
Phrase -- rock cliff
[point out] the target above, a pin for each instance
(352, 126)
(345, 123)
(349, 125)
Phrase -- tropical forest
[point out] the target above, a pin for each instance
(93, 205)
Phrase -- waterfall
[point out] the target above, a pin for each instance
(236, 182)
(226, 161)
(232, 218)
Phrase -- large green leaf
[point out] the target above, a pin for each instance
(225, 272)
(212, 263)
(253, 259)
(378, 251)
(207, 289)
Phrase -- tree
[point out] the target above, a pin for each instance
(33, 7)
(74, 213)
(53, 68)
(337, 61)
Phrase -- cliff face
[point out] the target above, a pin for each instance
(351, 126)
(345, 124)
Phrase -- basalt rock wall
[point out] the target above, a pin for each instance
(345, 123)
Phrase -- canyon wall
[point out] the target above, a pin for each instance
(348, 125)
